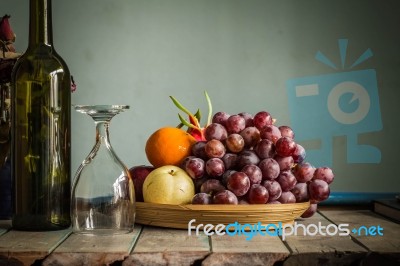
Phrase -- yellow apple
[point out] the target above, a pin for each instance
(168, 184)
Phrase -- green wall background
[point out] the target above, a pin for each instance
(138, 52)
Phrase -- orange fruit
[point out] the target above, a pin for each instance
(168, 146)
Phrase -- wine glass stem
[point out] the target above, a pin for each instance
(102, 133)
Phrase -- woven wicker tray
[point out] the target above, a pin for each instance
(178, 216)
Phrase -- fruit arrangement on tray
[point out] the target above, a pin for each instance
(234, 159)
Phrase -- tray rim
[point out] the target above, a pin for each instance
(219, 207)
(177, 216)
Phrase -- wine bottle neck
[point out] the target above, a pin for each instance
(40, 24)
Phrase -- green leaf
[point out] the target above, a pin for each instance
(180, 106)
(186, 123)
(198, 115)
(209, 117)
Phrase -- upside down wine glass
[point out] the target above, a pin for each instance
(103, 194)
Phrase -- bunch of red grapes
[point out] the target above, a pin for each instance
(246, 159)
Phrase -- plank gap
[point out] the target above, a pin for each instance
(210, 244)
(134, 243)
(287, 246)
(354, 239)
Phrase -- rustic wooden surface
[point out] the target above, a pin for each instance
(259, 250)
(88, 250)
(148, 245)
(157, 246)
(313, 250)
(25, 248)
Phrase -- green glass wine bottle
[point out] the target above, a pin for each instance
(41, 123)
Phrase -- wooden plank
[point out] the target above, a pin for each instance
(20, 247)
(331, 250)
(81, 249)
(255, 250)
(5, 225)
(162, 246)
(389, 242)
(389, 208)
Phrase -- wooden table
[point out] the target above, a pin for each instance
(148, 245)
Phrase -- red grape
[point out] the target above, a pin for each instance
(230, 160)
(234, 142)
(257, 194)
(235, 124)
(300, 191)
(287, 197)
(198, 149)
(269, 168)
(248, 118)
(262, 119)
(324, 173)
(286, 131)
(195, 167)
(299, 154)
(220, 118)
(285, 146)
(247, 157)
(251, 136)
(185, 160)
(215, 167)
(304, 172)
(253, 172)
(199, 182)
(201, 198)
(238, 183)
(243, 201)
(212, 186)
(265, 149)
(285, 163)
(215, 131)
(318, 190)
(215, 149)
(287, 180)
(274, 189)
(226, 175)
(270, 132)
(310, 211)
(225, 197)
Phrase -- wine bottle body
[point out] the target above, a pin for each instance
(41, 129)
